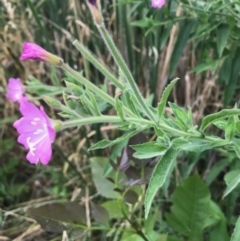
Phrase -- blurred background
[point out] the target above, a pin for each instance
(197, 41)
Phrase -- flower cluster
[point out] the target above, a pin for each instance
(36, 130)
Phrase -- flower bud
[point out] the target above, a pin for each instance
(95, 8)
(34, 51)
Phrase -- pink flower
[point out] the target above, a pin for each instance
(36, 132)
(34, 51)
(15, 90)
(158, 3)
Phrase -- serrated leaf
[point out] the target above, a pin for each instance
(230, 128)
(191, 212)
(232, 180)
(236, 231)
(223, 32)
(107, 143)
(165, 94)
(195, 145)
(57, 217)
(159, 175)
(217, 116)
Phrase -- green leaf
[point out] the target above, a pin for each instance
(236, 231)
(159, 175)
(119, 108)
(191, 212)
(232, 180)
(142, 23)
(230, 128)
(180, 45)
(115, 208)
(181, 115)
(75, 89)
(54, 76)
(232, 84)
(210, 65)
(52, 102)
(219, 231)
(215, 170)
(149, 149)
(236, 149)
(221, 124)
(223, 32)
(165, 94)
(226, 69)
(93, 101)
(107, 143)
(100, 214)
(195, 145)
(131, 197)
(57, 217)
(173, 238)
(102, 184)
(129, 97)
(216, 116)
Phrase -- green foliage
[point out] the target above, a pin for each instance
(202, 38)
(232, 180)
(102, 184)
(149, 150)
(163, 101)
(236, 232)
(159, 175)
(193, 210)
(107, 143)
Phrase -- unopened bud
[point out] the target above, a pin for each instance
(95, 8)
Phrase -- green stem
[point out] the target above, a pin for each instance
(89, 56)
(94, 88)
(147, 123)
(104, 119)
(122, 65)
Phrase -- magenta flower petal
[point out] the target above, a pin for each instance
(34, 51)
(158, 3)
(36, 132)
(15, 90)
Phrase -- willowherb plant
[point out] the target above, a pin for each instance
(133, 113)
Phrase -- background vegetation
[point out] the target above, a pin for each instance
(197, 41)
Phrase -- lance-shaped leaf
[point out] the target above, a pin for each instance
(217, 116)
(107, 143)
(159, 175)
(165, 94)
